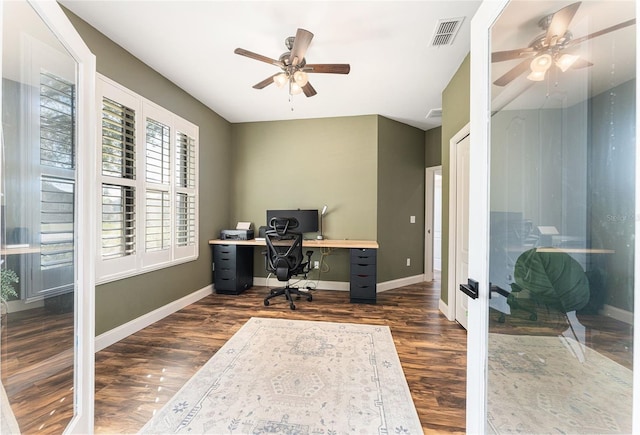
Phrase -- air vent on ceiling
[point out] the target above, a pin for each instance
(446, 30)
(434, 114)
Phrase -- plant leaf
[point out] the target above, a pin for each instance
(554, 278)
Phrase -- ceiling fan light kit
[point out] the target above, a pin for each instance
(294, 66)
(547, 48)
(565, 61)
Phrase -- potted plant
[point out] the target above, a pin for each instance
(7, 279)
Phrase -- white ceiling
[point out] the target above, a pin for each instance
(395, 72)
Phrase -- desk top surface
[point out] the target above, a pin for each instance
(307, 243)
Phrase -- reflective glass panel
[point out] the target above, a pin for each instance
(38, 226)
(562, 189)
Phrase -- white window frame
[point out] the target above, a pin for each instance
(141, 261)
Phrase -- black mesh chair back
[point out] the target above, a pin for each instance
(284, 256)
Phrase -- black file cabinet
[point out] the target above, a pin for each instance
(363, 276)
(233, 268)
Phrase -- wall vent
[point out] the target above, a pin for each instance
(434, 114)
(446, 31)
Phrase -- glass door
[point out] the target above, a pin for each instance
(46, 349)
(561, 220)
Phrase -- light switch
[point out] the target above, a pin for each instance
(412, 219)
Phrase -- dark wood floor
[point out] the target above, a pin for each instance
(137, 375)
(37, 368)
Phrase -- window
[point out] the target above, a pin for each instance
(148, 221)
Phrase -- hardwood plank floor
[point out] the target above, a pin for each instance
(37, 368)
(139, 374)
(136, 376)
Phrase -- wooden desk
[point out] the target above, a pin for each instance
(235, 265)
(310, 243)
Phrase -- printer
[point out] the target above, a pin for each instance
(236, 234)
(243, 231)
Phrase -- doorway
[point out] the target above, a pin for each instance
(433, 223)
(458, 259)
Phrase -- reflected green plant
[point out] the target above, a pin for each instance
(7, 279)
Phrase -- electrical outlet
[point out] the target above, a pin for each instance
(408, 262)
(316, 265)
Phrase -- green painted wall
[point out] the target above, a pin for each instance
(401, 180)
(121, 301)
(455, 115)
(306, 164)
(367, 169)
(611, 191)
(433, 147)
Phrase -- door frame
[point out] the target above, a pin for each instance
(429, 209)
(480, 112)
(452, 258)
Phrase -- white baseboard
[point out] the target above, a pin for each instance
(320, 285)
(390, 285)
(344, 286)
(118, 333)
(20, 305)
(617, 313)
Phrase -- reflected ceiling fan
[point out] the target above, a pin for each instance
(548, 48)
(294, 65)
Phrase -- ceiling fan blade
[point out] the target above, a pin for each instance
(308, 90)
(329, 68)
(513, 73)
(602, 32)
(501, 56)
(256, 56)
(300, 45)
(560, 21)
(266, 82)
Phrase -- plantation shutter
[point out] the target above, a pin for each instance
(185, 190)
(118, 195)
(157, 222)
(158, 204)
(148, 185)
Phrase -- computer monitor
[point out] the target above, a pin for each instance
(307, 219)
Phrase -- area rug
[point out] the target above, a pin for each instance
(296, 377)
(538, 385)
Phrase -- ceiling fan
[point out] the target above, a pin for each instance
(294, 65)
(548, 48)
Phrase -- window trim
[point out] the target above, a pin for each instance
(140, 261)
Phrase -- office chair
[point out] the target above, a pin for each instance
(284, 258)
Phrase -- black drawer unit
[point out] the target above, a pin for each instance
(362, 287)
(232, 268)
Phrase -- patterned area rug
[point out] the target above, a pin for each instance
(538, 385)
(296, 377)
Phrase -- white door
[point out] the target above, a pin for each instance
(46, 235)
(554, 147)
(462, 227)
